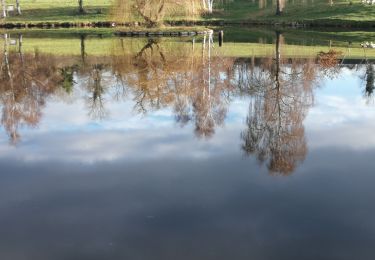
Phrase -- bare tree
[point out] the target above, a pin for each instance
(153, 12)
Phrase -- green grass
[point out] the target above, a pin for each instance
(320, 12)
(61, 11)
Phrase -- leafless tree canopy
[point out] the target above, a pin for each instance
(153, 12)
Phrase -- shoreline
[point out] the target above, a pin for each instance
(320, 23)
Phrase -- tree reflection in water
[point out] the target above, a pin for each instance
(25, 82)
(369, 82)
(281, 92)
(188, 79)
(194, 82)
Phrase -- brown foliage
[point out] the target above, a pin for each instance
(25, 82)
(153, 12)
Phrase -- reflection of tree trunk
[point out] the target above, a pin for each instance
(277, 78)
(97, 110)
(277, 57)
(210, 42)
(83, 49)
(20, 44)
(6, 59)
(149, 45)
(20, 52)
(10, 117)
(370, 80)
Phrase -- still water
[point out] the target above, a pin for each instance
(178, 149)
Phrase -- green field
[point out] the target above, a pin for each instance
(60, 11)
(319, 12)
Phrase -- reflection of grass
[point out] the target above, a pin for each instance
(299, 37)
(96, 46)
(290, 51)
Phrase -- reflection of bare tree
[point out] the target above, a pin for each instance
(83, 49)
(25, 81)
(187, 78)
(151, 78)
(281, 94)
(67, 81)
(96, 88)
(370, 81)
(95, 83)
(209, 104)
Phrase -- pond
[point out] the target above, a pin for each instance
(176, 148)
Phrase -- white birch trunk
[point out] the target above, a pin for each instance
(18, 7)
(4, 8)
(210, 5)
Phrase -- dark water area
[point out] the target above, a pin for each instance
(179, 149)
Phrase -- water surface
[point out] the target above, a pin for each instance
(178, 149)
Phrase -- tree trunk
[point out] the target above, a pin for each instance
(279, 7)
(80, 8)
(4, 8)
(210, 6)
(18, 7)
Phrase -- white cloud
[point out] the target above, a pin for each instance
(340, 118)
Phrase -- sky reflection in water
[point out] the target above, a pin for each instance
(136, 185)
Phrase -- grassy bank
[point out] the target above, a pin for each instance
(59, 11)
(342, 13)
(316, 11)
